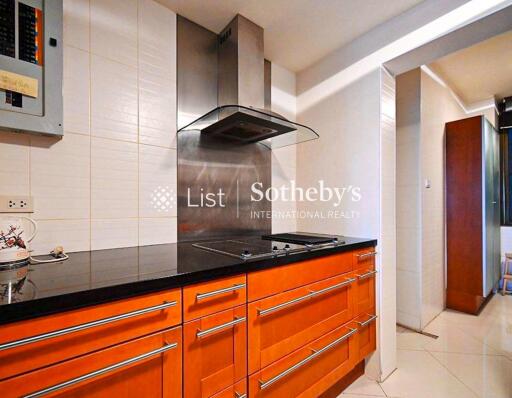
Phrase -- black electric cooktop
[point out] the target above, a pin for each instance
(99, 276)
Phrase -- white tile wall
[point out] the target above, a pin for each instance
(14, 156)
(157, 182)
(60, 177)
(93, 188)
(114, 97)
(114, 30)
(76, 23)
(76, 90)
(114, 179)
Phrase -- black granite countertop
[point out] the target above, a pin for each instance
(95, 277)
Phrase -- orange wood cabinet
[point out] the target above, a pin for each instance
(310, 370)
(239, 390)
(366, 336)
(276, 280)
(148, 367)
(284, 322)
(210, 297)
(98, 327)
(215, 352)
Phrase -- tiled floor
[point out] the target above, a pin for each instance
(471, 358)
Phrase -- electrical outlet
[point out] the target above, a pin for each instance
(16, 204)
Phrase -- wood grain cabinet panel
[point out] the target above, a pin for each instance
(308, 371)
(211, 297)
(282, 323)
(29, 345)
(215, 352)
(149, 367)
(364, 291)
(280, 279)
(366, 336)
(364, 259)
(238, 390)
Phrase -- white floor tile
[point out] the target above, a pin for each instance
(419, 375)
(409, 340)
(488, 376)
(365, 386)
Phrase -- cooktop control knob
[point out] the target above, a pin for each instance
(275, 248)
(287, 246)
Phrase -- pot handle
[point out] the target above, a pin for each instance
(34, 225)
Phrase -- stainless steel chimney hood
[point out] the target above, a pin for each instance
(240, 117)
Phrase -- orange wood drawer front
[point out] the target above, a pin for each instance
(238, 390)
(285, 322)
(34, 355)
(366, 335)
(332, 360)
(364, 291)
(218, 358)
(155, 376)
(364, 258)
(273, 281)
(211, 297)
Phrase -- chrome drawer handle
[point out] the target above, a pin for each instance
(364, 255)
(368, 321)
(298, 365)
(305, 297)
(201, 333)
(367, 274)
(84, 326)
(238, 395)
(202, 296)
(101, 371)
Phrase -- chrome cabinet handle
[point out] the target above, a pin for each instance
(369, 254)
(305, 297)
(201, 333)
(100, 372)
(238, 395)
(367, 274)
(83, 326)
(298, 365)
(202, 296)
(368, 321)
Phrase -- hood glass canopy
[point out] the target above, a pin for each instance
(243, 125)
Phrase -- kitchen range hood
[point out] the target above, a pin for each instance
(240, 117)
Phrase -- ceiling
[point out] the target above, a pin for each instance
(481, 71)
(297, 32)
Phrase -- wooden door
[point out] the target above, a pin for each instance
(364, 288)
(285, 322)
(148, 367)
(215, 352)
(366, 336)
(309, 371)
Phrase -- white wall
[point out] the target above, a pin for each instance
(96, 187)
(284, 102)
(424, 104)
(352, 151)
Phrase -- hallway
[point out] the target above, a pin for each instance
(471, 358)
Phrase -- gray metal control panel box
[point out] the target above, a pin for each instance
(31, 66)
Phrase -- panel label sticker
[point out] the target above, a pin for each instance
(18, 83)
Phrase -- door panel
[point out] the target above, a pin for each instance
(125, 370)
(308, 371)
(215, 352)
(285, 322)
(366, 336)
(364, 291)
(100, 326)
